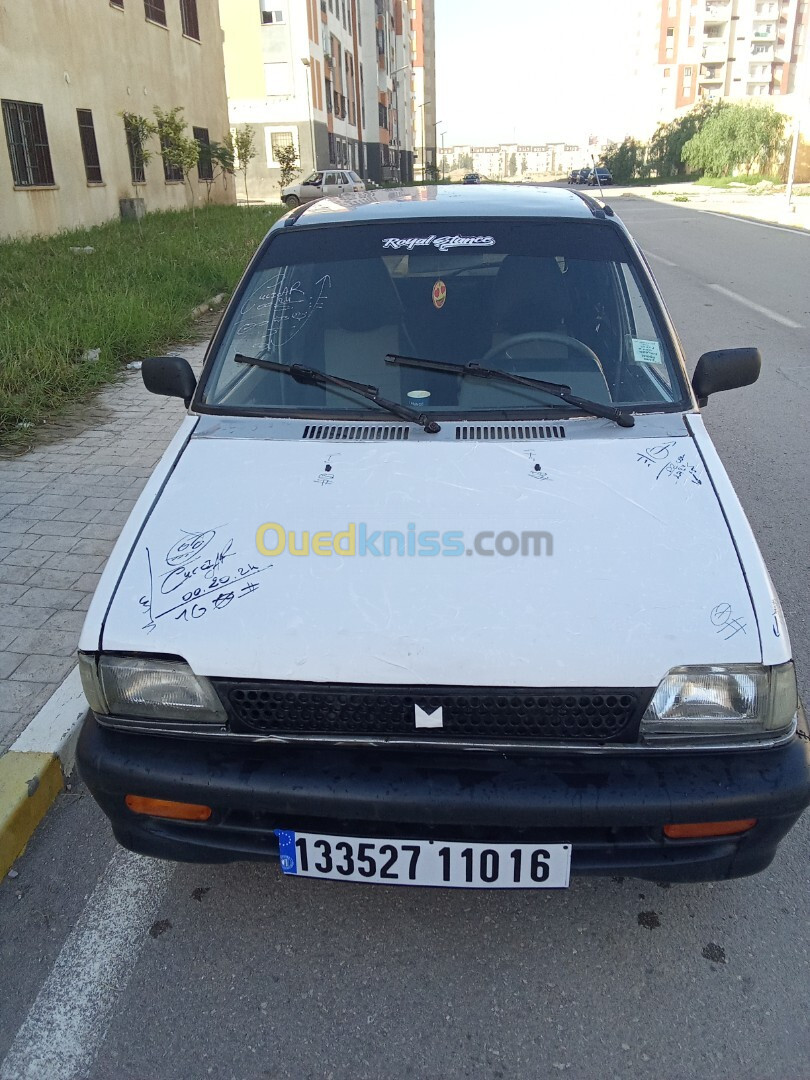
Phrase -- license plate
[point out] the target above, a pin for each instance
(454, 865)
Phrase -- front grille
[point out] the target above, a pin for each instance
(509, 431)
(468, 714)
(367, 433)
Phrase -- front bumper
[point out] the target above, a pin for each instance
(610, 808)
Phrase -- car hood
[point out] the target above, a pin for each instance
(633, 572)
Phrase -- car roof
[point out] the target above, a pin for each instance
(451, 201)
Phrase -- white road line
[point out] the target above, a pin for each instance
(659, 258)
(68, 1021)
(798, 231)
(757, 307)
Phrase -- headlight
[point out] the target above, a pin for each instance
(720, 701)
(162, 691)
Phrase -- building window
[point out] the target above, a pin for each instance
(135, 151)
(332, 153)
(279, 140)
(27, 144)
(171, 173)
(117, 3)
(205, 166)
(189, 19)
(269, 13)
(87, 134)
(687, 73)
(155, 11)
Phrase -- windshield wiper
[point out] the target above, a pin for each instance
(559, 390)
(313, 377)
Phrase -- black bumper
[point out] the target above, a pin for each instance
(610, 808)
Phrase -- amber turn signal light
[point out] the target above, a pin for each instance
(709, 828)
(166, 808)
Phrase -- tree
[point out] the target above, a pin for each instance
(747, 136)
(524, 165)
(626, 161)
(179, 149)
(243, 144)
(511, 168)
(287, 157)
(665, 151)
(140, 130)
(219, 156)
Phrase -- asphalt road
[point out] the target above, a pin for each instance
(112, 966)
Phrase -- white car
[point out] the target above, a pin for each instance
(318, 184)
(442, 580)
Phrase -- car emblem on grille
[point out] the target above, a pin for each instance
(428, 718)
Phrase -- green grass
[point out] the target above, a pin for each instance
(727, 181)
(131, 298)
(680, 198)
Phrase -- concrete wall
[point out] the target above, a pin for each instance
(90, 54)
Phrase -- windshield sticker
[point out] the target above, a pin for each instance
(195, 578)
(666, 463)
(443, 243)
(439, 294)
(647, 352)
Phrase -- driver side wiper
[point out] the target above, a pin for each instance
(313, 377)
(559, 390)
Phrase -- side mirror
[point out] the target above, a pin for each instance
(169, 375)
(725, 369)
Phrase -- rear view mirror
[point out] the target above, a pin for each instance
(169, 375)
(725, 369)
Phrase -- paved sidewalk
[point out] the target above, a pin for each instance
(62, 506)
(768, 207)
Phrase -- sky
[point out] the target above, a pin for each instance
(535, 71)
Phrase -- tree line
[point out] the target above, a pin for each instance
(715, 138)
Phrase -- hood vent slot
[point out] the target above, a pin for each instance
(497, 432)
(360, 432)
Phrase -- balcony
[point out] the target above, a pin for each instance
(762, 52)
(713, 74)
(716, 13)
(714, 54)
(764, 33)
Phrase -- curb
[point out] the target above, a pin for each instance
(33, 770)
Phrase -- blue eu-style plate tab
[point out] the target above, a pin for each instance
(286, 850)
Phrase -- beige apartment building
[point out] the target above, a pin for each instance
(332, 78)
(68, 70)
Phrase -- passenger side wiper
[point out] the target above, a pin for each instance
(559, 390)
(313, 377)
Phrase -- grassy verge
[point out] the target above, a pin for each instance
(130, 298)
(728, 181)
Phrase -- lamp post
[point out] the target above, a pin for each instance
(444, 159)
(422, 107)
(435, 136)
(308, 65)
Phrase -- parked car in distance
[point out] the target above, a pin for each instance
(584, 175)
(573, 176)
(289, 654)
(601, 175)
(318, 184)
(471, 178)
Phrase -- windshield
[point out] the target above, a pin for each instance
(560, 302)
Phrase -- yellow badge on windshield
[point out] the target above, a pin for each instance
(439, 294)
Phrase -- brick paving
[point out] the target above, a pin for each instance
(62, 505)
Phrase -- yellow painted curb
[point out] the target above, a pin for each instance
(29, 783)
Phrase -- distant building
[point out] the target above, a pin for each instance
(330, 77)
(67, 72)
(546, 160)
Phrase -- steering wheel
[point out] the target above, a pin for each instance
(541, 335)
